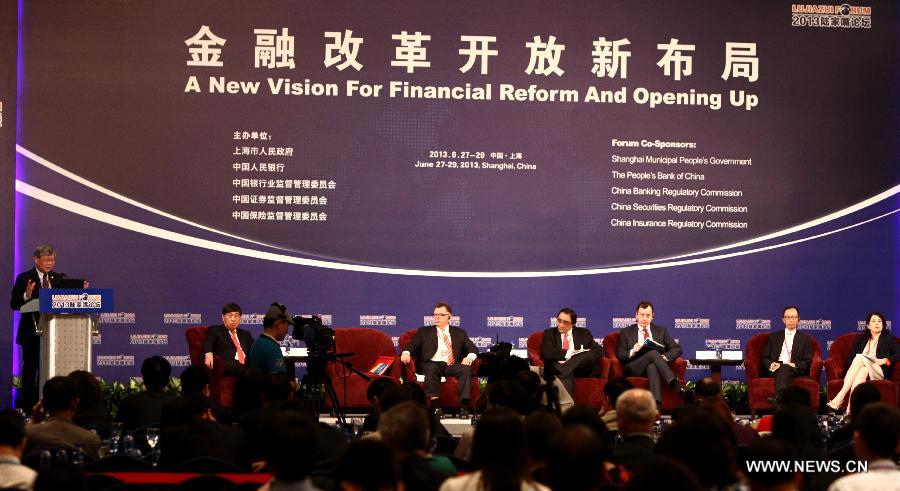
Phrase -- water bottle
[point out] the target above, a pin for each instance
(128, 444)
(78, 456)
(45, 458)
(718, 352)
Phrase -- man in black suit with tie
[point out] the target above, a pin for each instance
(558, 349)
(652, 364)
(442, 350)
(228, 341)
(788, 353)
(28, 286)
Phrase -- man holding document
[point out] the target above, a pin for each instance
(646, 350)
(569, 352)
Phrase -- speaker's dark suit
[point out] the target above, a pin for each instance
(423, 347)
(650, 364)
(26, 337)
(582, 365)
(801, 354)
(218, 342)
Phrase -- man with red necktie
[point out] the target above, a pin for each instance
(653, 363)
(442, 350)
(228, 341)
(563, 348)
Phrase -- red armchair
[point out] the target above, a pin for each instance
(221, 388)
(835, 370)
(449, 397)
(671, 397)
(760, 389)
(366, 345)
(588, 390)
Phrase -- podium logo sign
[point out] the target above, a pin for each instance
(753, 324)
(692, 323)
(74, 300)
(117, 318)
(815, 325)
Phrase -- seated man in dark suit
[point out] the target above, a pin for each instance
(442, 350)
(145, 408)
(228, 341)
(559, 346)
(194, 383)
(651, 364)
(788, 353)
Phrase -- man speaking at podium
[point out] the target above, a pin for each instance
(28, 286)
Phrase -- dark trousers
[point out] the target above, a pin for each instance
(581, 365)
(657, 370)
(433, 372)
(28, 395)
(784, 375)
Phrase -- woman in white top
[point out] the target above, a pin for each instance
(872, 357)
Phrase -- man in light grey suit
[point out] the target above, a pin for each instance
(652, 363)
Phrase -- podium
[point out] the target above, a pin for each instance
(68, 320)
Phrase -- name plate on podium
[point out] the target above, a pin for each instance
(76, 300)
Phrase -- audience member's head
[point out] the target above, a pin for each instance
(797, 426)
(406, 428)
(707, 387)
(510, 394)
(275, 387)
(613, 389)
(498, 449)
(376, 388)
(770, 449)
(659, 469)
(705, 443)
(394, 395)
(367, 465)
(794, 394)
(575, 460)
(416, 393)
(636, 411)
(863, 395)
(194, 379)
(585, 415)
(877, 433)
(246, 391)
(12, 433)
(291, 450)
(88, 388)
(540, 427)
(196, 406)
(155, 372)
(60, 395)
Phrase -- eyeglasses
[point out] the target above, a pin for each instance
(792, 317)
(440, 315)
(563, 323)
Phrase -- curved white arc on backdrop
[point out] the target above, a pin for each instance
(818, 221)
(100, 189)
(152, 231)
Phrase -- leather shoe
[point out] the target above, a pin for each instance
(463, 413)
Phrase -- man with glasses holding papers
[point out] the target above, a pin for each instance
(569, 351)
(442, 350)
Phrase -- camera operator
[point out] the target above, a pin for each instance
(265, 354)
